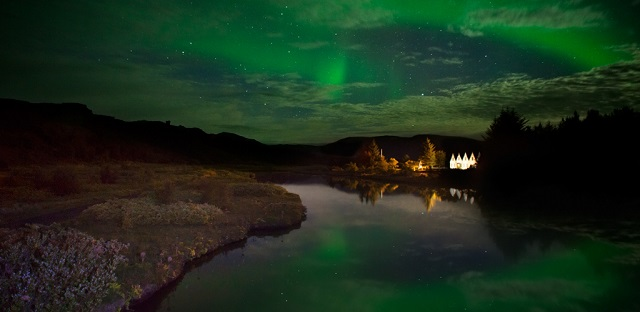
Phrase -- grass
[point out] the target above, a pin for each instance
(167, 215)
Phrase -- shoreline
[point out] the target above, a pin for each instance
(155, 293)
(169, 216)
(232, 205)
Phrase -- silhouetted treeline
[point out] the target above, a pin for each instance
(593, 154)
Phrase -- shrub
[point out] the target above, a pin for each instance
(166, 193)
(108, 175)
(353, 167)
(215, 193)
(64, 183)
(256, 190)
(140, 211)
(39, 179)
(51, 268)
(11, 180)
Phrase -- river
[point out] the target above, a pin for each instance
(377, 247)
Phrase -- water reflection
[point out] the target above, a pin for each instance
(370, 191)
(420, 249)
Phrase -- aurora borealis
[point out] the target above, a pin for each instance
(309, 71)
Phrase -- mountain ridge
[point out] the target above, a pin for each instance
(52, 132)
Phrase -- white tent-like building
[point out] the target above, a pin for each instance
(463, 162)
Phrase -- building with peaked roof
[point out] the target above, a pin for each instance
(463, 162)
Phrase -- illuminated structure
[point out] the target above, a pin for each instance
(463, 162)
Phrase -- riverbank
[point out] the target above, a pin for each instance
(165, 215)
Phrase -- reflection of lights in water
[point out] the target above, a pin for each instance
(461, 194)
(433, 199)
(387, 259)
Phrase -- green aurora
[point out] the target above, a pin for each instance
(313, 72)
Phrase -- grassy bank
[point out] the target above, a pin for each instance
(160, 217)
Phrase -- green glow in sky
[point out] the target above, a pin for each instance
(377, 60)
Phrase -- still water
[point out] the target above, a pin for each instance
(381, 249)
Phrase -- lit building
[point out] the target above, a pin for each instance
(462, 162)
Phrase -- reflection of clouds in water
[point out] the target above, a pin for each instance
(457, 212)
(548, 290)
(534, 294)
(349, 294)
(537, 249)
(631, 254)
(465, 276)
(632, 257)
(264, 247)
(624, 234)
(454, 247)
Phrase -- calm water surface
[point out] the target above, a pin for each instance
(382, 250)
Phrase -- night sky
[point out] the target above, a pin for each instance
(310, 71)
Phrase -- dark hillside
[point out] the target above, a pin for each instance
(43, 132)
(47, 133)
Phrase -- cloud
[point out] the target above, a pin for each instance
(310, 45)
(633, 49)
(558, 16)
(548, 17)
(111, 86)
(468, 31)
(286, 89)
(356, 47)
(364, 85)
(434, 49)
(413, 58)
(462, 110)
(267, 107)
(603, 88)
(468, 109)
(443, 61)
(343, 14)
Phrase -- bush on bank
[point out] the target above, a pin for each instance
(53, 268)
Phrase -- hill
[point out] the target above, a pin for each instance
(48, 132)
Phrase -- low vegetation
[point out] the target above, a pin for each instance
(120, 232)
(51, 268)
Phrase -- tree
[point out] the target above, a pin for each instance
(441, 158)
(374, 156)
(508, 157)
(429, 157)
(508, 125)
(392, 164)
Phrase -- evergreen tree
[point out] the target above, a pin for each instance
(441, 158)
(508, 125)
(373, 154)
(429, 156)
